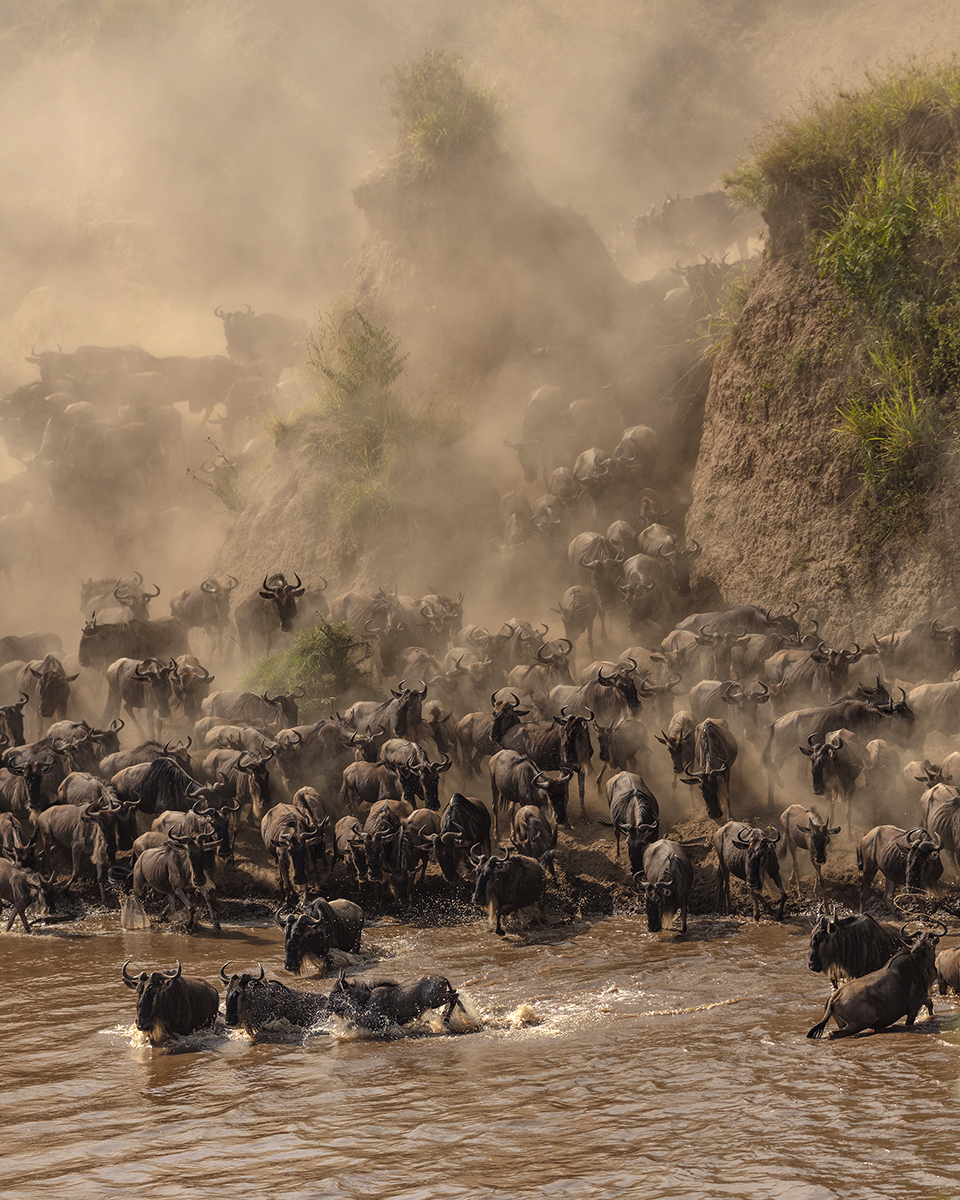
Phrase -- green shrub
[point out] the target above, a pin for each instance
(327, 662)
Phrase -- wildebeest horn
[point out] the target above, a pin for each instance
(175, 974)
(131, 981)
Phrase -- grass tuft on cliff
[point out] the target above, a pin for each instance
(439, 113)
(875, 173)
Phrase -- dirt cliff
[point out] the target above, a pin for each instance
(777, 502)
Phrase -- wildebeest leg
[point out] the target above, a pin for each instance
(722, 900)
(210, 901)
(796, 870)
(683, 917)
(819, 884)
(601, 771)
(103, 890)
(18, 911)
(580, 778)
(133, 714)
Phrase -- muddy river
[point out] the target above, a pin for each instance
(605, 1062)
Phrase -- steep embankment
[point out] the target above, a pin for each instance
(827, 470)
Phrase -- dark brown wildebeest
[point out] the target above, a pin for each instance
(206, 607)
(170, 1004)
(252, 336)
(634, 813)
(325, 926)
(507, 884)
(266, 612)
(175, 871)
(805, 829)
(464, 824)
(100, 644)
(899, 989)
(516, 780)
(562, 744)
(716, 751)
(295, 844)
(191, 683)
(140, 684)
(47, 684)
(20, 888)
(678, 739)
(905, 857)
(534, 834)
(848, 947)
(82, 831)
(254, 1005)
(751, 855)
(381, 1003)
(666, 884)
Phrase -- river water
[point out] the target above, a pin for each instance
(607, 1062)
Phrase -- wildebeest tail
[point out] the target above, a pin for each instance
(817, 1030)
(121, 877)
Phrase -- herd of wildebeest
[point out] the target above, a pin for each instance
(121, 759)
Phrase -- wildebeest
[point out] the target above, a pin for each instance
(295, 844)
(243, 708)
(206, 607)
(580, 607)
(380, 1003)
(158, 785)
(848, 947)
(706, 224)
(140, 684)
(881, 716)
(507, 884)
(835, 765)
(666, 884)
(11, 722)
(905, 857)
(265, 612)
(751, 855)
(516, 780)
(679, 741)
(20, 888)
(634, 813)
(534, 834)
(465, 823)
(175, 871)
(47, 684)
(100, 645)
(562, 744)
(940, 815)
(252, 336)
(716, 751)
(928, 651)
(170, 1004)
(82, 831)
(325, 926)
(254, 1004)
(948, 971)
(898, 989)
(805, 829)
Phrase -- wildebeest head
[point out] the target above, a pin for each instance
(156, 677)
(284, 595)
(681, 562)
(709, 784)
(575, 747)
(506, 714)
(150, 988)
(195, 845)
(604, 561)
(306, 937)
(11, 720)
(286, 703)
(817, 835)
(760, 854)
(553, 792)
(409, 713)
(624, 680)
(657, 897)
(221, 820)
(922, 849)
(132, 596)
(219, 595)
(429, 774)
(53, 686)
(238, 989)
(31, 772)
(821, 755)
